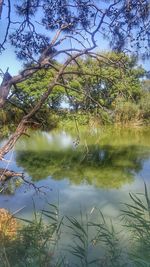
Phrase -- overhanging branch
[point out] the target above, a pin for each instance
(1, 7)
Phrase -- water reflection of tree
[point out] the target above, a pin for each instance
(10, 186)
(105, 166)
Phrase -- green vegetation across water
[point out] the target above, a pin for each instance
(115, 92)
(79, 106)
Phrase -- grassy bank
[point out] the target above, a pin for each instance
(92, 239)
(121, 112)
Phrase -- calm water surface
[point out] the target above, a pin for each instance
(98, 168)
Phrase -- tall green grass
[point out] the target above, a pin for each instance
(90, 239)
(136, 217)
(35, 241)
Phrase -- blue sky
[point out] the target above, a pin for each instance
(8, 58)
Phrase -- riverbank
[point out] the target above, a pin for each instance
(90, 239)
(68, 119)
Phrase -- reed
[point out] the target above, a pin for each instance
(92, 239)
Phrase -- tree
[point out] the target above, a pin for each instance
(113, 76)
(29, 91)
(79, 22)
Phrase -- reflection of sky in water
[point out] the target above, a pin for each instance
(45, 141)
(62, 140)
(72, 197)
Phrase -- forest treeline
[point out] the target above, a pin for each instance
(113, 89)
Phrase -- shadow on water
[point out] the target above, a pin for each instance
(103, 158)
(103, 166)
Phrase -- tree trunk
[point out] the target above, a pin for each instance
(1, 7)
(4, 92)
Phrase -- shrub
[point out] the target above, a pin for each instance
(127, 112)
(145, 106)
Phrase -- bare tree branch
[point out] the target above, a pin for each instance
(23, 125)
(43, 62)
(1, 7)
(116, 17)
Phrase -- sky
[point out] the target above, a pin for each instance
(9, 59)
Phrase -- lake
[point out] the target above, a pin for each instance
(84, 173)
(96, 167)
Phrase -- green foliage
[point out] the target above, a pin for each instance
(112, 76)
(4, 131)
(94, 240)
(146, 85)
(9, 118)
(137, 221)
(34, 243)
(86, 241)
(145, 106)
(109, 88)
(31, 90)
(127, 112)
(69, 120)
